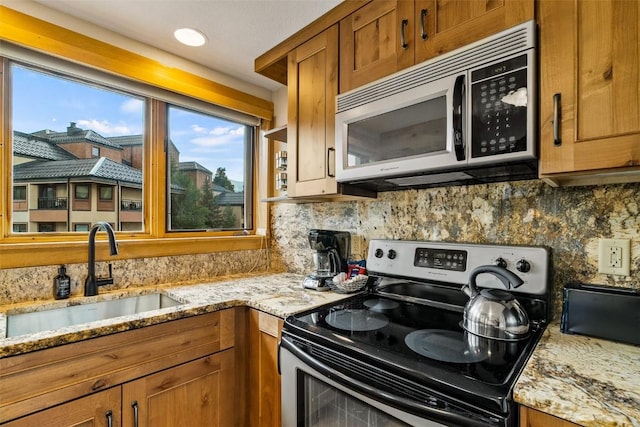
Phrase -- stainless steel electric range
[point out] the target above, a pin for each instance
(397, 354)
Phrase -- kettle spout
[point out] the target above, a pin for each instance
(467, 290)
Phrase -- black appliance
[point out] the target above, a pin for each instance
(331, 250)
(397, 353)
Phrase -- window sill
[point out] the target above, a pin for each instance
(15, 255)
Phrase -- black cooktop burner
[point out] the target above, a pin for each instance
(443, 345)
(356, 320)
(381, 304)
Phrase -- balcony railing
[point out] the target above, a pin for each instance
(131, 205)
(53, 203)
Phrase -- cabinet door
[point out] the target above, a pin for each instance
(444, 25)
(197, 394)
(313, 86)
(589, 57)
(264, 333)
(532, 418)
(374, 42)
(90, 411)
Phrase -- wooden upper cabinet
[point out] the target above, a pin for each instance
(312, 88)
(375, 41)
(386, 36)
(590, 74)
(445, 25)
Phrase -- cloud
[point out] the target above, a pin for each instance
(198, 129)
(219, 137)
(132, 105)
(104, 128)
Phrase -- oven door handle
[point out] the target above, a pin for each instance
(376, 394)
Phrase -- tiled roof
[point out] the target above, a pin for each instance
(126, 140)
(192, 166)
(81, 168)
(26, 145)
(77, 135)
(231, 199)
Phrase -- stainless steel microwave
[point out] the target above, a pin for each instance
(461, 118)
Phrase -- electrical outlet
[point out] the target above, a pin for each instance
(614, 256)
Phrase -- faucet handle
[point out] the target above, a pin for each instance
(100, 281)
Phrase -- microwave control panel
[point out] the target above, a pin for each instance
(499, 97)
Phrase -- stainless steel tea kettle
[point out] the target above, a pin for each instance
(494, 313)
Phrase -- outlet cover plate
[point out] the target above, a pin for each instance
(614, 256)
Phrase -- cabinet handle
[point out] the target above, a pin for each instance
(329, 151)
(423, 32)
(134, 405)
(109, 416)
(556, 120)
(403, 27)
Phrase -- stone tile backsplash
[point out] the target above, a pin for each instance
(569, 221)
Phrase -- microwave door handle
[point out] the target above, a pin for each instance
(458, 103)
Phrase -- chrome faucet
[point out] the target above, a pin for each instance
(92, 282)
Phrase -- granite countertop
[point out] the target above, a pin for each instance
(588, 381)
(276, 294)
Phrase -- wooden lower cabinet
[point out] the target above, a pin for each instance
(90, 411)
(533, 418)
(264, 379)
(198, 393)
(179, 373)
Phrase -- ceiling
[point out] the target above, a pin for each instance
(238, 31)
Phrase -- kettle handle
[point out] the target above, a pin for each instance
(506, 277)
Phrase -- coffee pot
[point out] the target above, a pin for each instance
(331, 251)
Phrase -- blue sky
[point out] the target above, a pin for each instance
(42, 101)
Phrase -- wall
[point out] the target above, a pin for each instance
(36, 283)
(567, 220)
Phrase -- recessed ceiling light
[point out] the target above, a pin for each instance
(190, 37)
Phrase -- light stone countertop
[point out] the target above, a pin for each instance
(276, 294)
(588, 381)
(584, 380)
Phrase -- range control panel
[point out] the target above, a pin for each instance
(453, 262)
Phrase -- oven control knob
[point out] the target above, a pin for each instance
(379, 253)
(500, 262)
(391, 254)
(523, 266)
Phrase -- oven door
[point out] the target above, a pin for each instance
(313, 399)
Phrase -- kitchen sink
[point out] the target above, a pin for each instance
(46, 320)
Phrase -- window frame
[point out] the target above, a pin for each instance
(79, 50)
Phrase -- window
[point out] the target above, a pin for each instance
(210, 172)
(106, 192)
(80, 227)
(20, 192)
(82, 192)
(57, 120)
(19, 227)
(74, 60)
(46, 227)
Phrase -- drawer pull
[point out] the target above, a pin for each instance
(557, 141)
(134, 405)
(109, 416)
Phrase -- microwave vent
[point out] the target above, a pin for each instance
(505, 43)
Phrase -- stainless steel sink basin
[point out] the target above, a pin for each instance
(46, 320)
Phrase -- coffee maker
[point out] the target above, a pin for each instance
(331, 250)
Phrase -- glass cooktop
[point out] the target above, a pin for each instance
(421, 342)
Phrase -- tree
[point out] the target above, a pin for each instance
(209, 201)
(229, 219)
(222, 180)
(186, 211)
